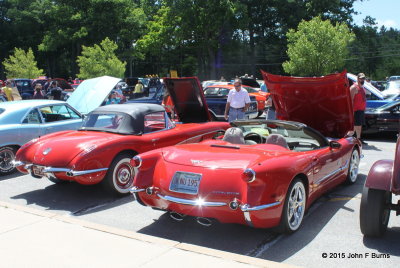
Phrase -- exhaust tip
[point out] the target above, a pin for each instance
(70, 174)
(176, 216)
(149, 190)
(204, 221)
(233, 205)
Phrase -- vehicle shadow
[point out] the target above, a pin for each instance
(382, 137)
(73, 198)
(11, 176)
(242, 239)
(388, 243)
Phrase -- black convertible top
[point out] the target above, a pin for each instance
(133, 117)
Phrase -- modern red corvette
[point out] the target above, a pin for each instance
(111, 135)
(263, 173)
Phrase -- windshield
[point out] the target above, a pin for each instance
(105, 122)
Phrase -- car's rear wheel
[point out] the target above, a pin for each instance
(352, 173)
(120, 175)
(294, 208)
(374, 211)
(7, 156)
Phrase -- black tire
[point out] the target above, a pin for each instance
(7, 155)
(352, 173)
(298, 202)
(120, 175)
(374, 211)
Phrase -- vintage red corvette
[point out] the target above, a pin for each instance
(263, 173)
(111, 135)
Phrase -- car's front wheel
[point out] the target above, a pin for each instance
(120, 175)
(353, 167)
(294, 208)
(7, 156)
(374, 211)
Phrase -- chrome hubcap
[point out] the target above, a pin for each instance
(6, 157)
(354, 162)
(123, 176)
(296, 206)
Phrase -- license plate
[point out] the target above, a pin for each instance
(185, 182)
(38, 171)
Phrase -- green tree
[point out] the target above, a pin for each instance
(22, 64)
(317, 48)
(100, 60)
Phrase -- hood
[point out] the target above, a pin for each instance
(61, 155)
(188, 98)
(323, 103)
(208, 156)
(91, 93)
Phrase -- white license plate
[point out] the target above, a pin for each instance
(185, 182)
(38, 171)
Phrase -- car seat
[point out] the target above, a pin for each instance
(234, 135)
(277, 139)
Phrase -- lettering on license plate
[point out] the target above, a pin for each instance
(38, 171)
(185, 182)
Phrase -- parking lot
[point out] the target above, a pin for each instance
(330, 235)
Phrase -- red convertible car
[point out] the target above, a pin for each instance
(100, 150)
(383, 181)
(263, 173)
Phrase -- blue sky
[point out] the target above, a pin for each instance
(386, 12)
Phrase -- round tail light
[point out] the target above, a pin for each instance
(136, 161)
(249, 175)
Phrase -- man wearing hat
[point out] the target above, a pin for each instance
(359, 99)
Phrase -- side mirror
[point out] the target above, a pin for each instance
(334, 145)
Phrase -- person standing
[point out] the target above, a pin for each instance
(139, 87)
(7, 89)
(237, 103)
(38, 94)
(54, 90)
(271, 114)
(357, 92)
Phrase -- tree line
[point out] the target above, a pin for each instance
(206, 38)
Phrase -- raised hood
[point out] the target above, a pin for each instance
(60, 155)
(323, 103)
(91, 93)
(208, 156)
(188, 98)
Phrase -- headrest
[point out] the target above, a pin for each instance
(234, 135)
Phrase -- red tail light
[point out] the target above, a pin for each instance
(136, 161)
(249, 175)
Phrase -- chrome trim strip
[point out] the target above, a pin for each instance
(135, 190)
(72, 172)
(51, 169)
(84, 172)
(197, 202)
(17, 163)
(247, 208)
(333, 173)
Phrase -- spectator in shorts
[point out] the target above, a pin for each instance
(358, 96)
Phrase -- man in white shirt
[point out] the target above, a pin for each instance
(237, 103)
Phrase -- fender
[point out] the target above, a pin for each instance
(396, 170)
(380, 175)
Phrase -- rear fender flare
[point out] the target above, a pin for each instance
(380, 175)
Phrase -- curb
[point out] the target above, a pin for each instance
(148, 238)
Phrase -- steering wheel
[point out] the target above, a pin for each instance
(258, 137)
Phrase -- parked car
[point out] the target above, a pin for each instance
(262, 173)
(392, 89)
(394, 78)
(223, 90)
(384, 118)
(22, 121)
(382, 183)
(24, 87)
(100, 150)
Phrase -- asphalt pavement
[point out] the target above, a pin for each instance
(78, 213)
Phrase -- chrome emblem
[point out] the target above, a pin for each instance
(46, 151)
(195, 162)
